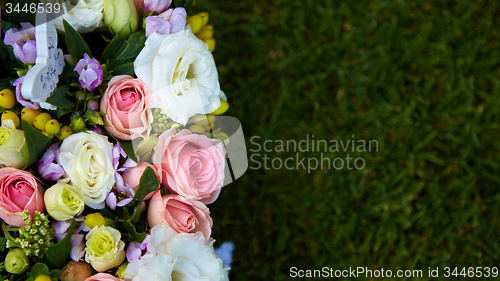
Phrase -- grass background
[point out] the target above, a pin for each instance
(420, 77)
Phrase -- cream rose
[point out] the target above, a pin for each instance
(87, 158)
(62, 203)
(180, 72)
(104, 249)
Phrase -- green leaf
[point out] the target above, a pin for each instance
(39, 269)
(56, 273)
(124, 69)
(147, 184)
(134, 46)
(57, 254)
(114, 48)
(7, 57)
(188, 4)
(5, 84)
(139, 237)
(60, 98)
(128, 147)
(62, 111)
(36, 142)
(6, 25)
(75, 43)
(3, 240)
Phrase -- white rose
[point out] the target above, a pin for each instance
(87, 158)
(104, 249)
(180, 72)
(179, 257)
(85, 16)
(62, 203)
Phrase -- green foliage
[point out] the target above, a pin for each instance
(61, 99)
(58, 253)
(36, 142)
(420, 77)
(135, 43)
(128, 148)
(147, 184)
(75, 43)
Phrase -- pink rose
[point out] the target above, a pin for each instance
(126, 105)
(133, 175)
(103, 277)
(180, 214)
(190, 165)
(19, 191)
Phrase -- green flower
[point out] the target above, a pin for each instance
(16, 262)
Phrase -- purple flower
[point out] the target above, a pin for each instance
(170, 21)
(60, 228)
(156, 6)
(77, 247)
(135, 249)
(120, 191)
(90, 73)
(23, 42)
(48, 169)
(225, 253)
(24, 102)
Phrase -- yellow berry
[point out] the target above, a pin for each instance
(43, 278)
(206, 32)
(211, 43)
(29, 115)
(197, 129)
(7, 99)
(224, 106)
(52, 126)
(203, 120)
(7, 114)
(65, 132)
(95, 219)
(41, 120)
(197, 22)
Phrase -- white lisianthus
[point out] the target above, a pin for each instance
(84, 17)
(179, 257)
(180, 72)
(104, 249)
(13, 149)
(62, 203)
(87, 158)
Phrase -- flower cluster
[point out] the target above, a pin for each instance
(109, 176)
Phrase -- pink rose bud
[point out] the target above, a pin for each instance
(19, 191)
(126, 107)
(180, 214)
(133, 175)
(103, 277)
(190, 165)
(76, 271)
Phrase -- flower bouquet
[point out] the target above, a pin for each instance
(109, 146)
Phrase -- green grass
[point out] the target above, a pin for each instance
(420, 77)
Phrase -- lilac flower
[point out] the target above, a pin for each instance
(60, 228)
(135, 250)
(170, 21)
(90, 73)
(124, 191)
(225, 253)
(156, 6)
(23, 42)
(24, 102)
(77, 247)
(48, 169)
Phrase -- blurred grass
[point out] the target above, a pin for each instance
(420, 77)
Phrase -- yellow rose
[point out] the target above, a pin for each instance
(104, 249)
(13, 149)
(62, 202)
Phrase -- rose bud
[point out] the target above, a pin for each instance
(134, 174)
(16, 262)
(62, 202)
(76, 271)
